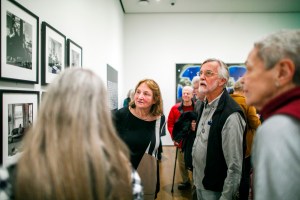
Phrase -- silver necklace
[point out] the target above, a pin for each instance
(203, 123)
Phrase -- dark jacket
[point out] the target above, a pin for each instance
(182, 132)
(174, 115)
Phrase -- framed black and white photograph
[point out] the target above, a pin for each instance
(53, 53)
(18, 112)
(19, 43)
(74, 54)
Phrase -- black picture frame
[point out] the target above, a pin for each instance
(74, 54)
(18, 112)
(19, 43)
(53, 53)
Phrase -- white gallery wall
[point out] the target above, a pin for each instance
(149, 45)
(96, 25)
(154, 43)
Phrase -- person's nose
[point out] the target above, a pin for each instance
(202, 76)
(141, 96)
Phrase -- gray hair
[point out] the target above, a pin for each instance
(223, 68)
(238, 85)
(190, 88)
(195, 80)
(279, 45)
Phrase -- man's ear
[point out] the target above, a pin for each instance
(286, 71)
(222, 81)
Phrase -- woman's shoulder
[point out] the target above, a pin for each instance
(122, 112)
(162, 118)
(278, 124)
(123, 109)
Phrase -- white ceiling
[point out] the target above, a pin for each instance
(209, 6)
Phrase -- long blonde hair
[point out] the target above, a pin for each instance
(73, 151)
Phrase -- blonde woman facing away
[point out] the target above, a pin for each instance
(72, 150)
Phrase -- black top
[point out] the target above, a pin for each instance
(136, 133)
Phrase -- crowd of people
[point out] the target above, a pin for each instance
(239, 145)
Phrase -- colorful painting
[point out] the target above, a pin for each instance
(186, 72)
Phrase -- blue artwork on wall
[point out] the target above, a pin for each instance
(186, 72)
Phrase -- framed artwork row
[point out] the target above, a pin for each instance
(19, 47)
(18, 112)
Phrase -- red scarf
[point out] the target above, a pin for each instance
(287, 103)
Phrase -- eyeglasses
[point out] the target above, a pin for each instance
(207, 73)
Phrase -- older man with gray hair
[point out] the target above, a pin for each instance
(218, 149)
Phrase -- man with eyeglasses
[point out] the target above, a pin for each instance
(219, 146)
